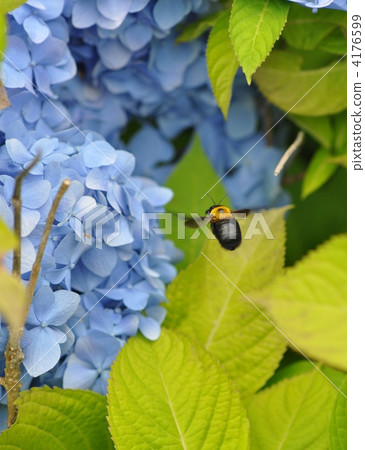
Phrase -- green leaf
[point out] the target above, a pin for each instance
(318, 127)
(305, 30)
(195, 29)
(59, 418)
(335, 42)
(210, 309)
(341, 160)
(319, 171)
(191, 179)
(308, 303)
(169, 394)
(289, 371)
(254, 28)
(338, 421)
(340, 133)
(293, 414)
(221, 63)
(314, 92)
(9, 5)
(8, 240)
(12, 299)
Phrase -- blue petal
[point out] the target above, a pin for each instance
(98, 153)
(158, 196)
(97, 348)
(136, 36)
(28, 256)
(124, 162)
(120, 234)
(168, 13)
(101, 383)
(149, 328)
(100, 261)
(32, 110)
(17, 52)
(42, 303)
(84, 14)
(64, 306)
(157, 313)
(37, 30)
(138, 5)
(128, 326)
(35, 193)
(52, 9)
(135, 300)
(17, 151)
(242, 119)
(97, 180)
(51, 51)
(114, 9)
(149, 147)
(79, 374)
(43, 352)
(113, 54)
(30, 219)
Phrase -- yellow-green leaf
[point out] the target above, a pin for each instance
(210, 308)
(8, 240)
(9, 5)
(314, 92)
(319, 172)
(195, 29)
(338, 421)
(305, 30)
(59, 418)
(222, 63)
(255, 25)
(171, 394)
(308, 303)
(293, 414)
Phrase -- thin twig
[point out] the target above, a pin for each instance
(13, 352)
(17, 205)
(47, 229)
(284, 159)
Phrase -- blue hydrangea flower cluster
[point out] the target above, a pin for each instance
(103, 92)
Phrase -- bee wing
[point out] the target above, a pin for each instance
(192, 223)
(241, 211)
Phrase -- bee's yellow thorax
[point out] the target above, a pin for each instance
(220, 212)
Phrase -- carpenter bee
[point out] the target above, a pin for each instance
(223, 225)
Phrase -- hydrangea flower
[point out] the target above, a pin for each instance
(45, 64)
(46, 330)
(88, 367)
(34, 16)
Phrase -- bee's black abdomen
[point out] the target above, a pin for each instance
(227, 232)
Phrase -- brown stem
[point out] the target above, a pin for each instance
(13, 352)
(47, 229)
(17, 205)
(13, 359)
